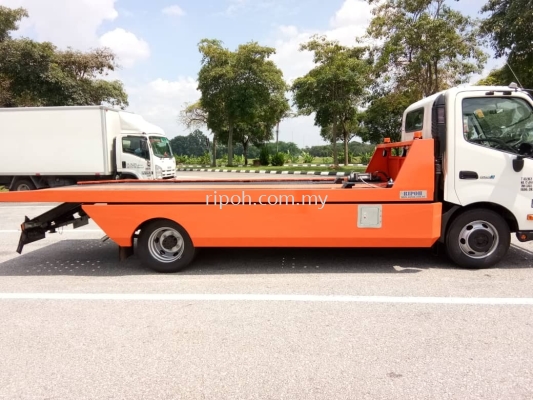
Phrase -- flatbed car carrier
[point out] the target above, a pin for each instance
(460, 178)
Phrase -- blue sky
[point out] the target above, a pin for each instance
(156, 42)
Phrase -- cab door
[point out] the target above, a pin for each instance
(133, 157)
(492, 131)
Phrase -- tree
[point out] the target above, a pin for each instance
(9, 19)
(334, 87)
(383, 117)
(193, 144)
(508, 29)
(235, 86)
(39, 74)
(281, 110)
(195, 116)
(425, 45)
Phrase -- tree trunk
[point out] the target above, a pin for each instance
(214, 161)
(277, 136)
(346, 160)
(334, 141)
(230, 144)
(245, 152)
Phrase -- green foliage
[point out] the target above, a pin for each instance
(307, 158)
(426, 46)
(264, 156)
(508, 29)
(195, 144)
(9, 19)
(365, 158)
(383, 118)
(242, 92)
(277, 160)
(350, 160)
(38, 74)
(334, 88)
(508, 26)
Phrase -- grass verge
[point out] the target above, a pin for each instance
(282, 168)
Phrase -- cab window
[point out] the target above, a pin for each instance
(502, 123)
(414, 120)
(136, 146)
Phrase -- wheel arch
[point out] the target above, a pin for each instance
(143, 224)
(453, 211)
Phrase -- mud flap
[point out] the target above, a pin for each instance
(124, 252)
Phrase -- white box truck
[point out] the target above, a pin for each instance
(60, 146)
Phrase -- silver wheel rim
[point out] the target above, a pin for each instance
(166, 245)
(23, 187)
(478, 239)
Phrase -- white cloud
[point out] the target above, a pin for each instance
(65, 22)
(75, 23)
(128, 48)
(348, 23)
(352, 12)
(173, 10)
(160, 101)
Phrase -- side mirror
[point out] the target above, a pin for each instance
(524, 150)
(518, 163)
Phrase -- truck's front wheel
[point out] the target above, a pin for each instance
(164, 246)
(478, 239)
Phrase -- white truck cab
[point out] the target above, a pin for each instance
(484, 152)
(144, 150)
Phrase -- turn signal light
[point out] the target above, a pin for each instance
(530, 217)
(418, 135)
(386, 140)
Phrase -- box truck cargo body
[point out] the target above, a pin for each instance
(58, 146)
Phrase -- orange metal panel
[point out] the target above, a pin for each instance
(333, 225)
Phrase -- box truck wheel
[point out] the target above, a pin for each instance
(478, 238)
(23, 184)
(165, 246)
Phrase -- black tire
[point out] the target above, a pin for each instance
(23, 185)
(149, 243)
(482, 233)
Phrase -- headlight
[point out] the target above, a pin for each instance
(158, 172)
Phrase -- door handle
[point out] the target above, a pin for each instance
(123, 164)
(468, 175)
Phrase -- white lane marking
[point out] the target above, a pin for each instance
(267, 297)
(28, 206)
(59, 230)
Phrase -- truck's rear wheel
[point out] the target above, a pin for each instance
(165, 246)
(478, 239)
(23, 184)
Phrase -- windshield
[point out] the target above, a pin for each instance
(498, 121)
(161, 146)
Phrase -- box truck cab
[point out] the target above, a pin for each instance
(144, 150)
(61, 146)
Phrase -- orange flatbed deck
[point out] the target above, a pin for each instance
(310, 212)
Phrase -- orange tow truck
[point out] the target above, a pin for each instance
(460, 178)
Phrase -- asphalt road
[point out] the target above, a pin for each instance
(254, 324)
